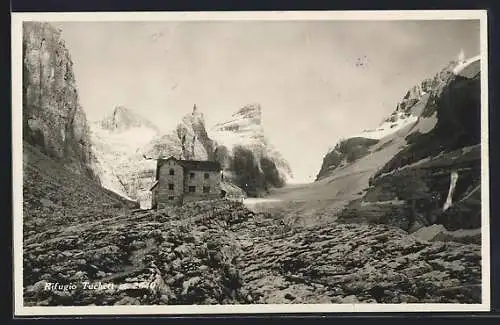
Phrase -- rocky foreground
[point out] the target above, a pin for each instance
(222, 253)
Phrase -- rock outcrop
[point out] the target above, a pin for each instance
(181, 255)
(53, 119)
(345, 152)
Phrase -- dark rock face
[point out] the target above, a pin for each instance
(255, 176)
(466, 212)
(222, 156)
(346, 151)
(53, 119)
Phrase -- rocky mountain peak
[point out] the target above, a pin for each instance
(123, 118)
(424, 88)
(247, 119)
(244, 129)
(251, 111)
(195, 110)
(195, 119)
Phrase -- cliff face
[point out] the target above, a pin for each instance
(244, 130)
(435, 175)
(59, 184)
(53, 119)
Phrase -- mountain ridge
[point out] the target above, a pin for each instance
(410, 110)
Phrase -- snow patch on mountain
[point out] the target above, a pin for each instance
(468, 68)
(388, 127)
(117, 140)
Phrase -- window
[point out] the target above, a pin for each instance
(171, 172)
(206, 189)
(171, 198)
(207, 175)
(192, 189)
(191, 175)
(170, 186)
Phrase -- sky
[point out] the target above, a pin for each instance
(305, 74)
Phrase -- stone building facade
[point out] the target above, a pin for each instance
(179, 181)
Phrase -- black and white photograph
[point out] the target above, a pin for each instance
(250, 162)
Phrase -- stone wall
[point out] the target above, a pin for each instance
(164, 193)
(199, 181)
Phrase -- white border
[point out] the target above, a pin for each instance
(18, 18)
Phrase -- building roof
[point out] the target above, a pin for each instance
(153, 185)
(203, 165)
(191, 165)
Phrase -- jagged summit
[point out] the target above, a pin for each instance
(189, 140)
(123, 118)
(250, 111)
(246, 119)
(411, 106)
